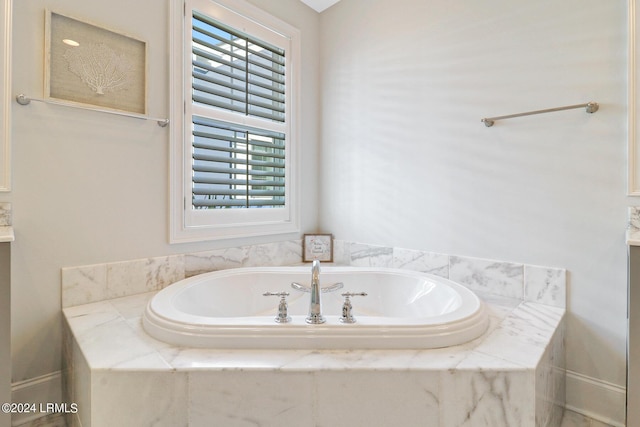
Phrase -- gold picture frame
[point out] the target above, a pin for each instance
(317, 247)
(93, 67)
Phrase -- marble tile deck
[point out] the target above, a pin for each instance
(513, 375)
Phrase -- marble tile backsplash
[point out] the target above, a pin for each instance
(5, 214)
(634, 217)
(546, 285)
(93, 283)
(269, 254)
(633, 227)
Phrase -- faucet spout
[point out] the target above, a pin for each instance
(315, 306)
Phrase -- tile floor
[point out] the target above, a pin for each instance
(571, 419)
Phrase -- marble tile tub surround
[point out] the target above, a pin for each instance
(511, 376)
(98, 282)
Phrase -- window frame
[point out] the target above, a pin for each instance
(188, 224)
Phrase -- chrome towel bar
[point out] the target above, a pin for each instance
(591, 107)
(22, 99)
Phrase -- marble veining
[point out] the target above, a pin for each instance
(6, 230)
(5, 214)
(278, 253)
(203, 262)
(84, 284)
(634, 218)
(633, 227)
(362, 255)
(98, 282)
(545, 285)
(426, 262)
(488, 398)
(503, 278)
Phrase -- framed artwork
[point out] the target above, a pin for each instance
(93, 67)
(317, 247)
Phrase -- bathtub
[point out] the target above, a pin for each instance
(402, 310)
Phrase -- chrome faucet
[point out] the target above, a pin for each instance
(315, 316)
(315, 306)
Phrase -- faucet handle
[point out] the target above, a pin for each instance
(282, 294)
(354, 294)
(302, 288)
(332, 288)
(299, 287)
(347, 308)
(283, 315)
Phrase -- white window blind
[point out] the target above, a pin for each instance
(237, 72)
(237, 166)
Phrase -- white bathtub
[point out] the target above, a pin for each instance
(403, 309)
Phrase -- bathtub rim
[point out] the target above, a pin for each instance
(333, 335)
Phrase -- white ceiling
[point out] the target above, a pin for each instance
(319, 5)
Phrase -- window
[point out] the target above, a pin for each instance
(234, 132)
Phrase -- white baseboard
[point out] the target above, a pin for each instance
(40, 390)
(596, 399)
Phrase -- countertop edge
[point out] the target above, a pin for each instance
(6, 234)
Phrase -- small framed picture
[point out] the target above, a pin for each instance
(317, 247)
(94, 67)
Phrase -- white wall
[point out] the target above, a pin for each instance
(406, 162)
(90, 187)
